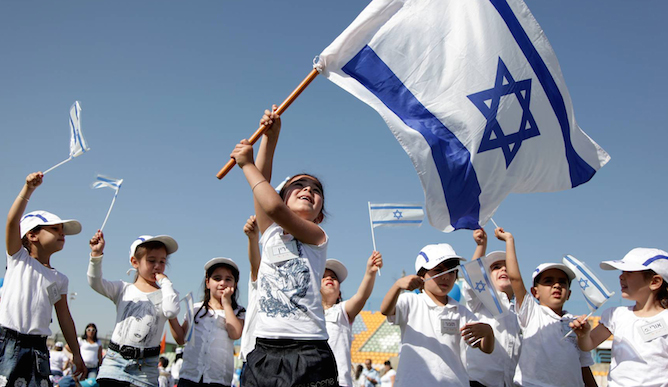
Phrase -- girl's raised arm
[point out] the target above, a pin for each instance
(357, 302)
(512, 266)
(265, 156)
(13, 230)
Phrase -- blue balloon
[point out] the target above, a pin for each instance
(456, 292)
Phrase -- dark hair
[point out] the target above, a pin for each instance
(207, 292)
(94, 332)
(164, 362)
(535, 280)
(661, 294)
(451, 264)
(387, 363)
(284, 191)
(144, 248)
(25, 241)
(358, 371)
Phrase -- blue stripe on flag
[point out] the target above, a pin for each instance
(492, 291)
(453, 161)
(396, 207)
(580, 172)
(591, 280)
(592, 305)
(396, 221)
(77, 136)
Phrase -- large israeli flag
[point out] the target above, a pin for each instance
(473, 92)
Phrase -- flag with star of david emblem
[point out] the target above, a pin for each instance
(473, 92)
(593, 290)
(478, 278)
(393, 215)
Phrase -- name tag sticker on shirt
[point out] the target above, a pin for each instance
(52, 291)
(283, 251)
(449, 327)
(653, 329)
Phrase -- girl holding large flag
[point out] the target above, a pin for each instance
(291, 346)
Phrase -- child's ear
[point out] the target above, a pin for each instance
(320, 218)
(534, 293)
(568, 295)
(32, 236)
(655, 282)
(134, 261)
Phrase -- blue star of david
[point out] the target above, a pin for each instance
(480, 286)
(584, 284)
(494, 137)
(397, 214)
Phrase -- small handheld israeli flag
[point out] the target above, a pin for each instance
(190, 315)
(108, 182)
(393, 215)
(78, 145)
(593, 290)
(478, 277)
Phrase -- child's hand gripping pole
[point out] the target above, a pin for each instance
(260, 131)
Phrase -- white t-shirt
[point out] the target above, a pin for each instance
(89, 353)
(431, 343)
(140, 317)
(209, 356)
(289, 278)
(498, 368)
(57, 360)
(339, 329)
(386, 379)
(638, 358)
(176, 369)
(546, 358)
(248, 333)
(29, 292)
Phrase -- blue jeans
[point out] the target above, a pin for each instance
(140, 372)
(23, 358)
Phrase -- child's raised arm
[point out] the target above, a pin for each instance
(409, 282)
(13, 230)
(270, 204)
(480, 238)
(512, 266)
(265, 155)
(357, 301)
(252, 232)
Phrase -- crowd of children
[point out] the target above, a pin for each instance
(297, 328)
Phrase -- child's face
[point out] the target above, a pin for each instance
(330, 285)
(634, 285)
(440, 286)
(551, 289)
(305, 198)
(152, 263)
(500, 277)
(221, 279)
(51, 238)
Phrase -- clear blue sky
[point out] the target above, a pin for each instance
(168, 88)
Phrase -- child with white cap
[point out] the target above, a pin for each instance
(208, 359)
(32, 288)
(640, 343)
(434, 327)
(498, 368)
(142, 308)
(546, 359)
(339, 314)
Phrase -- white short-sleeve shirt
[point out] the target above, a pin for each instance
(546, 358)
(209, 356)
(289, 278)
(248, 332)
(339, 329)
(638, 358)
(29, 292)
(431, 343)
(498, 368)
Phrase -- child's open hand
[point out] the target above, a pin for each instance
(580, 325)
(97, 244)
(473, 333)
(374, 263)
(34, 180)
(480, 236)
(503, 235)
(79, 371)
(410, 282)
(243, 153)
(250, 228)
(272, 120)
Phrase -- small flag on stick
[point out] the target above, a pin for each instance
(478, 277)
(78, 144)
(108, 182)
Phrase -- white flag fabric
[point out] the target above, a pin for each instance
(190, 315)
(102, 181)
(78, 144)
(479, 279)
(594, 291)
(473, 92)
(393, 215)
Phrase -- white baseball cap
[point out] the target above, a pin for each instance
(44, 218)
(640, 259)
(170, 244)
(547, 266)
(432, 255)
(338, 268)
(216, 261)
(494, 256)
(59, 344)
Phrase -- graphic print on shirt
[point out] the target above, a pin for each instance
(139, 322)
(284, 289)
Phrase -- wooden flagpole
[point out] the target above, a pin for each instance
(260, 131)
